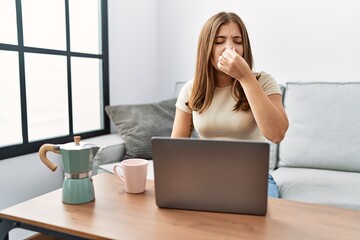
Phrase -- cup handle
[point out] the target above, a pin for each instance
(117, 174)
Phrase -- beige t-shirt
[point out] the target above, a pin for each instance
(219, 121)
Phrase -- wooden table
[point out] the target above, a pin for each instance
(118, 215)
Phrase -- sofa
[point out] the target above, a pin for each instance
(319, 159)
(317, 162)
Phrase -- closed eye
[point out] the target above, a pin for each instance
(219, 40)
(237, 40)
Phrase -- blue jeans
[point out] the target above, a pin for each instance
(272, 188)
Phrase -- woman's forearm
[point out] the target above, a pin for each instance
(268, 111)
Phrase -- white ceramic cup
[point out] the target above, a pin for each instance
(134, 174)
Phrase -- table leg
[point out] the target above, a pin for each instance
(5, 227)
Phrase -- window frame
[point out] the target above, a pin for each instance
(30, 147)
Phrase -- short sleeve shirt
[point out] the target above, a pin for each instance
(219, 121)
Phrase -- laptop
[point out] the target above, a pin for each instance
(211, 175)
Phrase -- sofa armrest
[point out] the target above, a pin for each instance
(112, 147)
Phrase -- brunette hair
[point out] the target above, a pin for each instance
(204, 84)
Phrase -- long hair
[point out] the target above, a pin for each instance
(204, 84)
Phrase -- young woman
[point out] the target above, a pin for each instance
(226, 99)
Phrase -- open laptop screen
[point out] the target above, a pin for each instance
(211, 175)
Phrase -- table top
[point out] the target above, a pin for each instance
(116, 214)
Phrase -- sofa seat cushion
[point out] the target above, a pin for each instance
(324, 126)
(336, 188)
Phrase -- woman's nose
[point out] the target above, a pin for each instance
(229, 45)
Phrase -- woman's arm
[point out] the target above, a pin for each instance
(268, 111)
(181, 125)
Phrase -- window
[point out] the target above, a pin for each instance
(54, 72)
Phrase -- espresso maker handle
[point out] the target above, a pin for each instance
(42, 154)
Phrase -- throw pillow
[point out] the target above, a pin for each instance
(137, 124)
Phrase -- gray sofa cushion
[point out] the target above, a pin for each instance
(324, 130)
(340, 189)
(137, 124)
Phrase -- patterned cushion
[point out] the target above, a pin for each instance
(137, 124)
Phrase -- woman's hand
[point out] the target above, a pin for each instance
(234, 65)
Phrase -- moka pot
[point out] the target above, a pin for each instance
(77, 160)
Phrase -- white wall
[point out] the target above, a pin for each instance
(25, 177)
(153, 42)
(292, 40)
(133, 51)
